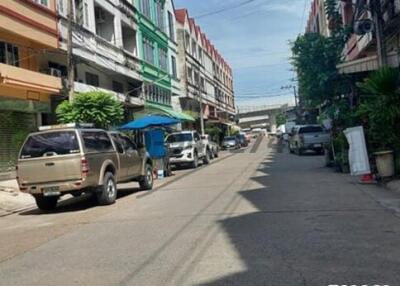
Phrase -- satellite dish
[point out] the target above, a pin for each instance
(363, 27)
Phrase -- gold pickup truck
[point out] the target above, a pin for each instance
(69, 159)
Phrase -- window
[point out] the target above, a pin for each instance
(127, 144)
(187, 41)
(173, 67)
(117, 86)
(310, 129)
(56, 143)
(180, 137)
(145, 8)
(160, 15)
(190, 74)
(163, 59)
(171, 26)
(42, 2)
(200, 55)
(148, 49)
(60, 6)
(96, 141)
(86, 14)
(202, 83)
(196, 78)
(61, 68)
(9, 54)
(194, 48)
(92, 79)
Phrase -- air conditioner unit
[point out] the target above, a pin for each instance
(55, 72)
(100, 15)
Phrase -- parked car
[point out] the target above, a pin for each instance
(242, 140)
(230, 142)
(308, 137)
(186, 147)
(69, 159)
(210, 145)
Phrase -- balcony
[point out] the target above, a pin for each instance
(128, 100)
(31, 21)
(15, 77)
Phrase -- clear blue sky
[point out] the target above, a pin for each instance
(254, 39)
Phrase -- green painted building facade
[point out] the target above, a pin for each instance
(152, 41)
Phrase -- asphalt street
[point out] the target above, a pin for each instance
(258, 217)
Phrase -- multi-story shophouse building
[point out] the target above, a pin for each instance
(206, 77)
(158, 57)
(28, 35)
(360, 52)
(317, 20)
(104, 48)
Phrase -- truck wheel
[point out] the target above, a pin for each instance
(146, 182)
(46, 203)
(195, 162)
(216, 154)
(206, 159)
(107, 193)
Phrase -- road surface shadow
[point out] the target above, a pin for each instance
(298, 236)
(84, 202)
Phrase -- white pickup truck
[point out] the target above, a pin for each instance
(211, 146)
(308, 137)
(186, 147)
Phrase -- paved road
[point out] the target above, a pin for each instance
(262, 218)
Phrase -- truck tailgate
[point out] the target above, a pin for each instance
(50, 169)
(316, 138)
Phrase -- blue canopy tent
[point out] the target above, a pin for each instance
(153, 136)
(150, 121)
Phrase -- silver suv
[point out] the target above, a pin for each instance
(68, 159)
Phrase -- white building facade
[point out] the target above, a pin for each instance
(104, 48)
(206, 77)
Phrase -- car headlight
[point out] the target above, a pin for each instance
(189, 147)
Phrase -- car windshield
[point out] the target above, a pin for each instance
(52, 143)
(182, 137)
(229, 138)
(310, 129)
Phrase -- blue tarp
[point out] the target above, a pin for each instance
(150, 121)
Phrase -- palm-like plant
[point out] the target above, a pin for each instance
(380, 107)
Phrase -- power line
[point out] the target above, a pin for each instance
(224, 9)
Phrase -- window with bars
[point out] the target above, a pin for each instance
(173, 67)
(163, 59)
(171, 26)
(148, 50)
(92, 79)
(160, 15)
(9, 54)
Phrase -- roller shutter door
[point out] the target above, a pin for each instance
(14, 126)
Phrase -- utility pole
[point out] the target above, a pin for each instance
(70, 56)
(376, 10)
(201, 113)
(295, 96)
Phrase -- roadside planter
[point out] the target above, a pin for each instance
(385, 163)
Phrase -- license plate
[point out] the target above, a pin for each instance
(317, 145)
(51, 191)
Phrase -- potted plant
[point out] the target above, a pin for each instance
(381, 111)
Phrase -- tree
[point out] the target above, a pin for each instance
(99, 108)
(315, 58)
(280, 119)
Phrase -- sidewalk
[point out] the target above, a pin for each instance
(12, 200)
